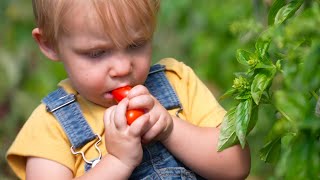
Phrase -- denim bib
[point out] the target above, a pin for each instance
(157, 162)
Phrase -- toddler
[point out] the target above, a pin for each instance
(79, 131)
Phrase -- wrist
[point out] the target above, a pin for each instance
(122, 167)
(110, 167)
(169, 129)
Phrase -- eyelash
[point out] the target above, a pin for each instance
(97, 53)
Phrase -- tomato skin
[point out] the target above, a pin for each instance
(132, 114)
(120, 93)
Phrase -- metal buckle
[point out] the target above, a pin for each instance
(179, 111)
(94, 162)
(65, 104)
(157, 70)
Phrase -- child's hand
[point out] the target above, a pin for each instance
(160, 123)
(124, 141)
(131, 114)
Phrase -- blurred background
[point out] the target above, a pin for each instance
(204, 34)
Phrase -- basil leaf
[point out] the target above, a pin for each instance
(260, 83)
(278, 4)
(227, 135)
(243, 115)
(253, 118)
(293, 105)
(244, 56)
(287, 11)
(304, 161)
(243, 95)
(229, 93)
(271, 151)
(310, 73)
(262, 46)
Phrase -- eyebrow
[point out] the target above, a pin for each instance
(93, 46)
(109, 46)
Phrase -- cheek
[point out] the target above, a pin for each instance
(85, 76)
(90, 78)
(142, 70)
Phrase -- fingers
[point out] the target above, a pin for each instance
(138, 91)
(145, 102)
(108, 114)
(115, 117)
(154, 131)
(140, 98)
(140, 125)
(119, 117)
(151, 125)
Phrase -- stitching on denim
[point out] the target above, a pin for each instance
(152, 163)
(181, 171)
(70, 118)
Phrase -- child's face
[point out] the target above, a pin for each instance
(94, 64)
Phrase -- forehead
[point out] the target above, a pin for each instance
(83, 17)
(121, 25)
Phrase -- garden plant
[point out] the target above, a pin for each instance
(282, 71)
(260, 57)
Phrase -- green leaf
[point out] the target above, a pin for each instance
(263, 66)
(244, 56)
(304, 161)
(227, 136)
(243, 115)
(263, 43)
(292, 105)
(287, 11)
(310, 73)
(280, 128)
(277, 4)
(253, 118)
(262, 46)
(229, 93)
(261, 82)
(271, 151)
(243, 95)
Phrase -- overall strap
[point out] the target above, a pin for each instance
(68, 113)
(159, 86)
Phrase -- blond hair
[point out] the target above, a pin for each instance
(49, 16)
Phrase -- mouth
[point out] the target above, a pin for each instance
(108, 95)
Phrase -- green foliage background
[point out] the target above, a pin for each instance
(205, 34)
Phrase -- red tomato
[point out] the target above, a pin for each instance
(133, 114)
(118, 95)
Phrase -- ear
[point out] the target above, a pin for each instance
(46, 48)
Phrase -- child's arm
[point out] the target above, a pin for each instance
(124, 147)
(196, 147)
(108, 168)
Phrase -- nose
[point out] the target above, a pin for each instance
(121, 65)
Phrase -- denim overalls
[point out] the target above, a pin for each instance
(157, 162)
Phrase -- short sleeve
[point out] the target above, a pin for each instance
(200, 107)
(41, 136)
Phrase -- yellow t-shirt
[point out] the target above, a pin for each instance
(42, 135)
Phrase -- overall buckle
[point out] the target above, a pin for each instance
(93, 162)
